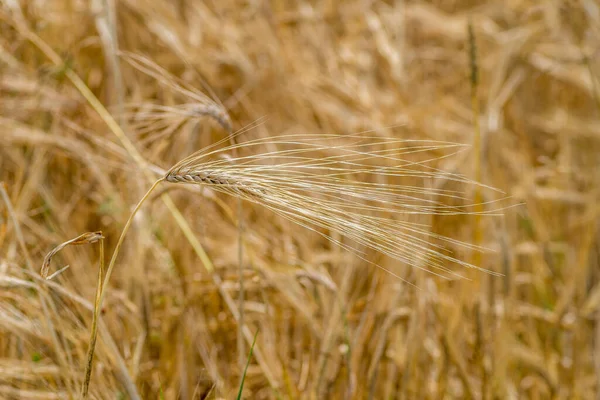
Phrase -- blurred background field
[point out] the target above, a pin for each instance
(331, 325)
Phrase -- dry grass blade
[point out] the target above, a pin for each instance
(354, 192)
(86, 238)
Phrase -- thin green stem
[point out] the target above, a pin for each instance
(94, 332)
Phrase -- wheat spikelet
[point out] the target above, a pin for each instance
(352, 192)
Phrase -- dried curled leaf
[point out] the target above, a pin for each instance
(85, 238)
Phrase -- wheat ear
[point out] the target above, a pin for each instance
(317, 192)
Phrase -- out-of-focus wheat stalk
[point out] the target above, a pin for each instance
(158, 120)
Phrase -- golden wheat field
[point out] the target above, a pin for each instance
(322, 199)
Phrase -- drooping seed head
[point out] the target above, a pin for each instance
(347, 185)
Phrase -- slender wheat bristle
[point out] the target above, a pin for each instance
(322, 192)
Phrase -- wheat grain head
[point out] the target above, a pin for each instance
(345, 185)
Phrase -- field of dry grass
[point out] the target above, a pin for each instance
(353, 271)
